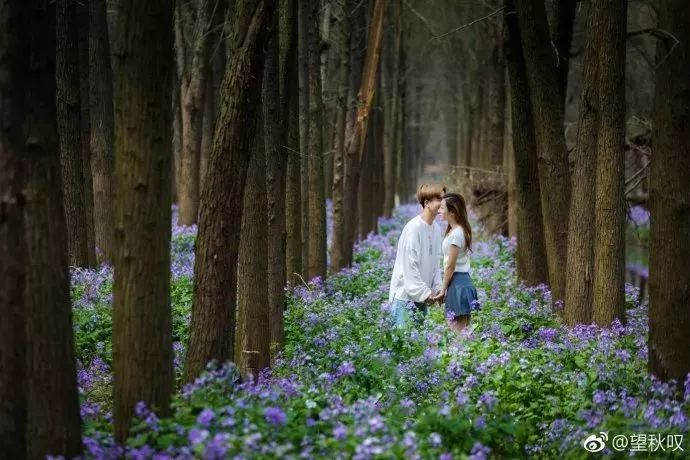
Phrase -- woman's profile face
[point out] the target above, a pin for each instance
(443, 211)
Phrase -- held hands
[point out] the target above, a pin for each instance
(439, 297)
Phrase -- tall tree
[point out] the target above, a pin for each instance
(212, 328)
(253, 330)
(14, 23)
(496, 95)
(669, 283)
(69, 126)
(401, 189)
(317, 199)
(214, 80)
(580, 266)
(389, 146)
(354, 144)
(554, 175)
(176, 136)
(303, 81)
(609, 247)
(293, 190)
(102, 129)
(391, 154)
(350, 179)
(53, 422)
(342, 40)
(281, 56)
(192, 42)
(142, 322)
(531, 250)
(82, 21)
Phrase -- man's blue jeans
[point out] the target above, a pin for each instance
(402, 310)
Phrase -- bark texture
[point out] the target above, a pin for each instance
(142, 322)
(554, 174)
(531, 250)
(317, 198)
(13, 66)
(253, 335)
(609, 247)
(669, 283)
(343, 39)
(212, 328)
(69, 127)
(580, 268)
(53, 421)
(102, 130)
(355, 138)
(193, 18)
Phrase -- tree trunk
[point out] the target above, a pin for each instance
(176, 137)
(531, 250)
(497, 94)
(293, 194)
(562, 35)
(355, 141)
(509, 165)
(391, 118)
(401, 172)
(326, 74)
(317, 198)
(609, 247)
(14, 28)
(366, 179)
(252, 343)
(212, 328)
(475, 127)
(303, 80)
(343, 39)
(82, 22)
(195, 24)
(580, 268)
(277, 76)
(69, 126)
(377, 186)
(102, 128)
(142, 323)
(669, 283)
(214, 78)
(53, 422)
(554, 174)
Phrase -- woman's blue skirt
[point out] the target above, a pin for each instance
(461, 297)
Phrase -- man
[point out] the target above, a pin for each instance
(416, 281)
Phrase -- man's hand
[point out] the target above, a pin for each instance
(439, 297)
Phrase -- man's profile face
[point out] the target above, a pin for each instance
(434, 205)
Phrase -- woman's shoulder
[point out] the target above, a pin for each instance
(457, 235)
(457, 231)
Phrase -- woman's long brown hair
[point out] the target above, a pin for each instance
(455, 204)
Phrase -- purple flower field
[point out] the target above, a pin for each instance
(349, 386)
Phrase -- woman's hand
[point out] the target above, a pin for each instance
(439, 297)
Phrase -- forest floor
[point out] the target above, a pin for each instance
(349, 386)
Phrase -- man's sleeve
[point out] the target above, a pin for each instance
(437, 282)
(415, 287)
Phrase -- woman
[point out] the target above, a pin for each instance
(457, 289)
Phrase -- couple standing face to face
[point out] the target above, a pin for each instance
(436, 206)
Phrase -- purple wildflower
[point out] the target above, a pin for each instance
(197, 436)
(339, 432)
(205, 417)
(479, 451)
(275, 415)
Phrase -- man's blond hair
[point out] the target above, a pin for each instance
(428, 192)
